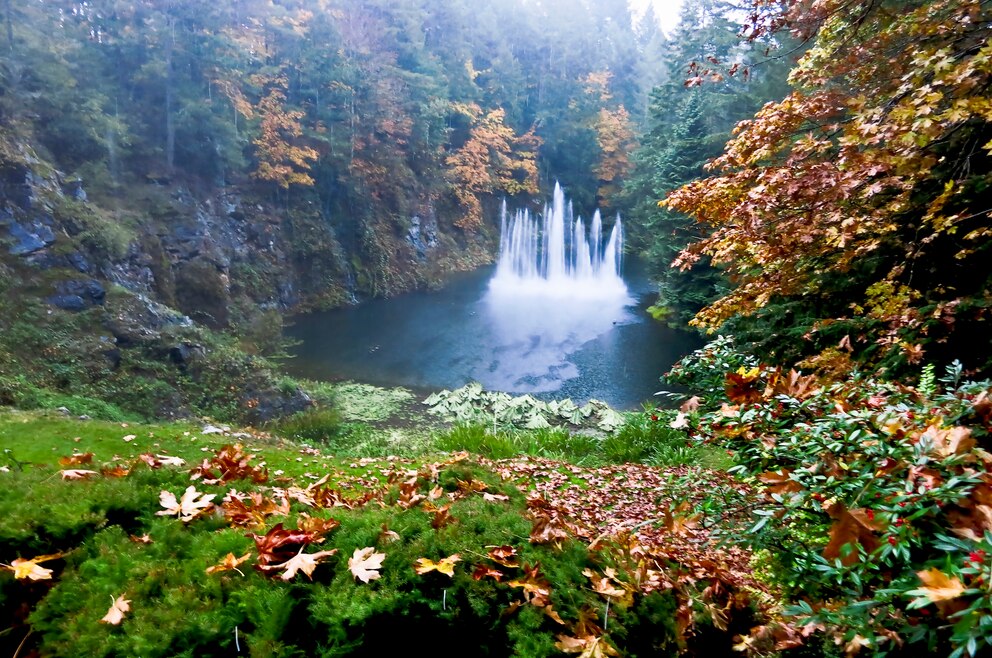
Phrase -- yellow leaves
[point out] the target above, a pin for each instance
(118, 609)
(445, 566)
(30, 569)
(365, 563)
(492, 159)
(279, 159)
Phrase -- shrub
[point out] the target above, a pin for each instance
(318, 425)
(875, 498)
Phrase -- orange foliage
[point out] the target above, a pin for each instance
(279, 159)
(858, 161)
(492, 159)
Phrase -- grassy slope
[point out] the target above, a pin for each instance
(178, 610)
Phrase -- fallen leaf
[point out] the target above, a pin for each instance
(485, 571)
(365, 563)
(169, 460)
(305, 562)
(29, 569)
(76, 459)
(187, 508)
(445, 566)
(129, 438)
(229, 563)
(76, 474)
(116, 612)
(503, 555)
(938, 586)
(388, 536)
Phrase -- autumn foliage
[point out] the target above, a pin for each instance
(282, 159)
(493, 159)
(863, 188)
(876, 518)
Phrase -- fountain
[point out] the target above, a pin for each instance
(554, 256)
(556, 287)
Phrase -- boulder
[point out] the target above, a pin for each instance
(73, 303)
(29, 235)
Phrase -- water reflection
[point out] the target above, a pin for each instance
(469, 332)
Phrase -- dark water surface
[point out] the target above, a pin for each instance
(544, 345)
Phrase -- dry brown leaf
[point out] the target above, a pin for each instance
(190, 506)
(76, 474)
(76, 459)
(118, 608)
(365, 563)
(938, 586)
(305, 562)
(229, 563)
(29, 569)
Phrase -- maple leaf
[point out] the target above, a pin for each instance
(169, 460)
(604, 585)
(279, 544)
(365, 563)
(116, 471)
(484, 571)
(855, 527)
(29, 569)
(586, 647)
(690, 405)
(76, 473)
(441, 515)
(743, 386)
(503, 555)
(938, 588)
(190, 506)
(305, 562)
(76, 459)
(230, 462)
(779, 482)
(118, 608)
(950, 442)
(445, 566)
(229, 563)
(252, 510)
(388, 536)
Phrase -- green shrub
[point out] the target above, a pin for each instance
(319, 425)
(875, 492)
(647, 437)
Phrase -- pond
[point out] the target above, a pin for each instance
(547, 346)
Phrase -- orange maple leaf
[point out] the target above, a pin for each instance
(229, 563)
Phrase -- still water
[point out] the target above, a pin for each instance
(552, 347)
